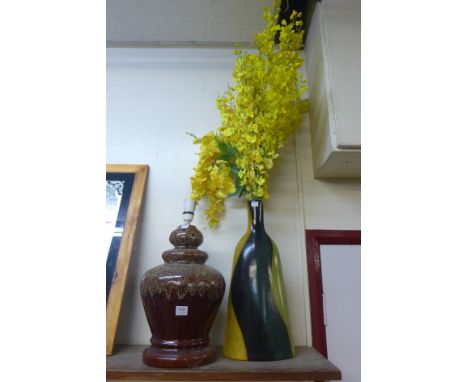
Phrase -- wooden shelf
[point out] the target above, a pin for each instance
(308, 365)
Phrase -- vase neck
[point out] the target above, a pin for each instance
(255, 208)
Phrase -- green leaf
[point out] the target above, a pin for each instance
(228, 152)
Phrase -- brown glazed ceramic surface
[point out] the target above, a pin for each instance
(181, 299)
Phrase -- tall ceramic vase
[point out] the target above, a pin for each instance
(258, 327)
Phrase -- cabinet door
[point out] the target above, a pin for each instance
(333, 67)
(341, 278)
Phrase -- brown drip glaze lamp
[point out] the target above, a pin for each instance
(181, 298)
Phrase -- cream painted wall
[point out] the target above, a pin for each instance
(153, 97)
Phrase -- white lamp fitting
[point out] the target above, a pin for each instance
(189, 209)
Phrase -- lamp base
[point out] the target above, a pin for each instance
(178, 358)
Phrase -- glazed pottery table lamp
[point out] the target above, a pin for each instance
(181, 298)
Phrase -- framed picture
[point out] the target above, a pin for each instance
(125, 187)
(314, 240)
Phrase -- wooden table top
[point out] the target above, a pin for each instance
(308, 365)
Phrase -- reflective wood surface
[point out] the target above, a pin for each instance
(308, 365)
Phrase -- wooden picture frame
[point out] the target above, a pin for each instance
(125, 188)
(314, 239)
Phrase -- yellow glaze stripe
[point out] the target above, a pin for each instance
(241, 243)
(234, 345)
(278, 292)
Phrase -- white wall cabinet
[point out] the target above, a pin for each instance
(333, 68)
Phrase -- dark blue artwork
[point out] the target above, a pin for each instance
(118, 189)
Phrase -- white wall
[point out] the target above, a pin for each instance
(153, 97)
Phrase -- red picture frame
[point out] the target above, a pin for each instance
(314, 239)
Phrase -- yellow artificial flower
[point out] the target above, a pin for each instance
(258, 112)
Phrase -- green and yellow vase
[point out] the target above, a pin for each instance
(258, 327)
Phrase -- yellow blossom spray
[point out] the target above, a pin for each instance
(261, 108)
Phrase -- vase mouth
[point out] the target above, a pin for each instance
(254, 201)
